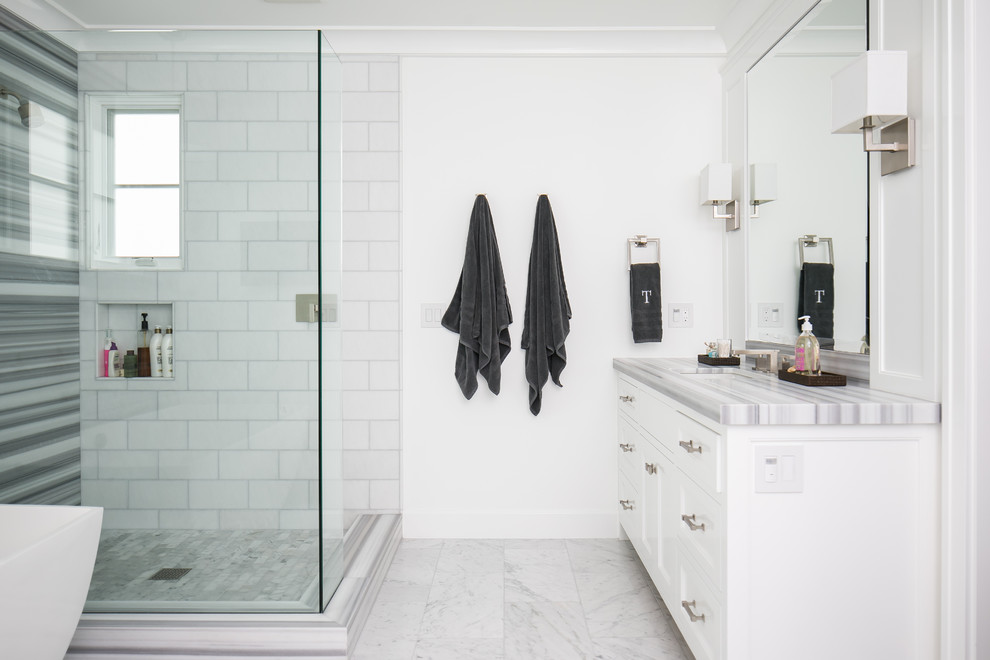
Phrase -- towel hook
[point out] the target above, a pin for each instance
(641, 241)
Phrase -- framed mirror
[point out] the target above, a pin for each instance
(810, 183)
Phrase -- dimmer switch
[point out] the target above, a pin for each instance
(778, 468)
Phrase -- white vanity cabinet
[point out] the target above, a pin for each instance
(844, 565)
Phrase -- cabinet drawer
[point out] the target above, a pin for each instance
(653, 416)
(700, 528)
(630, 447)
(699, 453)
(703, 634)
(630, 512)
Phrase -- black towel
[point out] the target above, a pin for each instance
(644, 301)
(548, 311)
(479, 311)
(816, 298)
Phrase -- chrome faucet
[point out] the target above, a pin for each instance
(765, 359)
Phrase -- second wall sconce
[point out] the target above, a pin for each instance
(716, 191)
(762, 185)
(871, 93)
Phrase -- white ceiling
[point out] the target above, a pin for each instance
(678, 14)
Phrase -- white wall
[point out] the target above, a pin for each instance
(617, 144)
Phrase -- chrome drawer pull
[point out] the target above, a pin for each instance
(627, 398)
(694, 527)
(626, 504)
(687, 605)
(626, 446)
(650, 468)
(689, 447)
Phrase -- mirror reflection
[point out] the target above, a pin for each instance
(811, 186)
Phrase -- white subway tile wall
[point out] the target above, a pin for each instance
(230, 443)
(371, 276)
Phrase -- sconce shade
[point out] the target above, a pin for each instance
(716, 183)
(762, 183)
(874, 86)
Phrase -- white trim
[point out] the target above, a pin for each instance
(510, 524)
(95, 123)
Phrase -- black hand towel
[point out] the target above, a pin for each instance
(548, 311)
(644, 301)
(816, 298)
(479, 311)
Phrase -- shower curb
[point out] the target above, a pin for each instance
(369, 545)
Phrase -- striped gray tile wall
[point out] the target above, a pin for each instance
(39, 272)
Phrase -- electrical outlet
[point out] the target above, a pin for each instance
(430, 315)
(681, 315)
(769, 315)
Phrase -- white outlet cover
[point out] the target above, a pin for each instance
(430, 314)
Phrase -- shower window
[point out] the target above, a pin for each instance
(136, 191)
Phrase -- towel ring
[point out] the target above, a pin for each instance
(641, 241)
(812, 240)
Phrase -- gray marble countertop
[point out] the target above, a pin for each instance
(741, 396)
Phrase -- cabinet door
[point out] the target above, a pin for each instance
(660, 518)
(631, 473)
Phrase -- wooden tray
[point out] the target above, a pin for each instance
(719, 362)
(825, 379)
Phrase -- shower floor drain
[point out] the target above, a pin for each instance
(170, 574)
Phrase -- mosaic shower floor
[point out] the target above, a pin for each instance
(231, 571)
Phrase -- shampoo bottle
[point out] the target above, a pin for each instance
(156, 352)
(167, 353)
(107, 364)
(806, 350)
(143, 352)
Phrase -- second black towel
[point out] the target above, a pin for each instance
(548, 311)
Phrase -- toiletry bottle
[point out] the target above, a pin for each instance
(806, 350)
(156, 352)
(130, 365)
(167, 353)
(107, 343)
(113, 358)
(143, 352)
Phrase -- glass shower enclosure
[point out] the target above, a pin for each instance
(210, 207)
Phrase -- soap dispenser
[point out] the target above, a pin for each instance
(806, 350)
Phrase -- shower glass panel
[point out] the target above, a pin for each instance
(220, 478)
(331, 407)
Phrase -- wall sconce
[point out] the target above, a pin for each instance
(762, 185)
(872, 93)
(716, 190)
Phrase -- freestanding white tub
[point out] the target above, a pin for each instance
(46, 562)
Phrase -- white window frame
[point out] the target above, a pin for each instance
(98, 183)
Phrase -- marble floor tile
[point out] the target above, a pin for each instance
(637, 648)
(533, 583)
(413, 566)
(470, 556)
(371, 647)
(546, 630)
(460, 649)
(602, 556)
(396, 620)
(403, 592)
(619, 606)
(535, 544)
(464, 605)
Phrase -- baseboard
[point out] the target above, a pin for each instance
(510, 525)
(369, 546)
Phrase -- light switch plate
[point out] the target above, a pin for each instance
(680, 315)
(778, 468)
(430, 315)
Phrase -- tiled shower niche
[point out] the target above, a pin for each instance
(123, 320)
